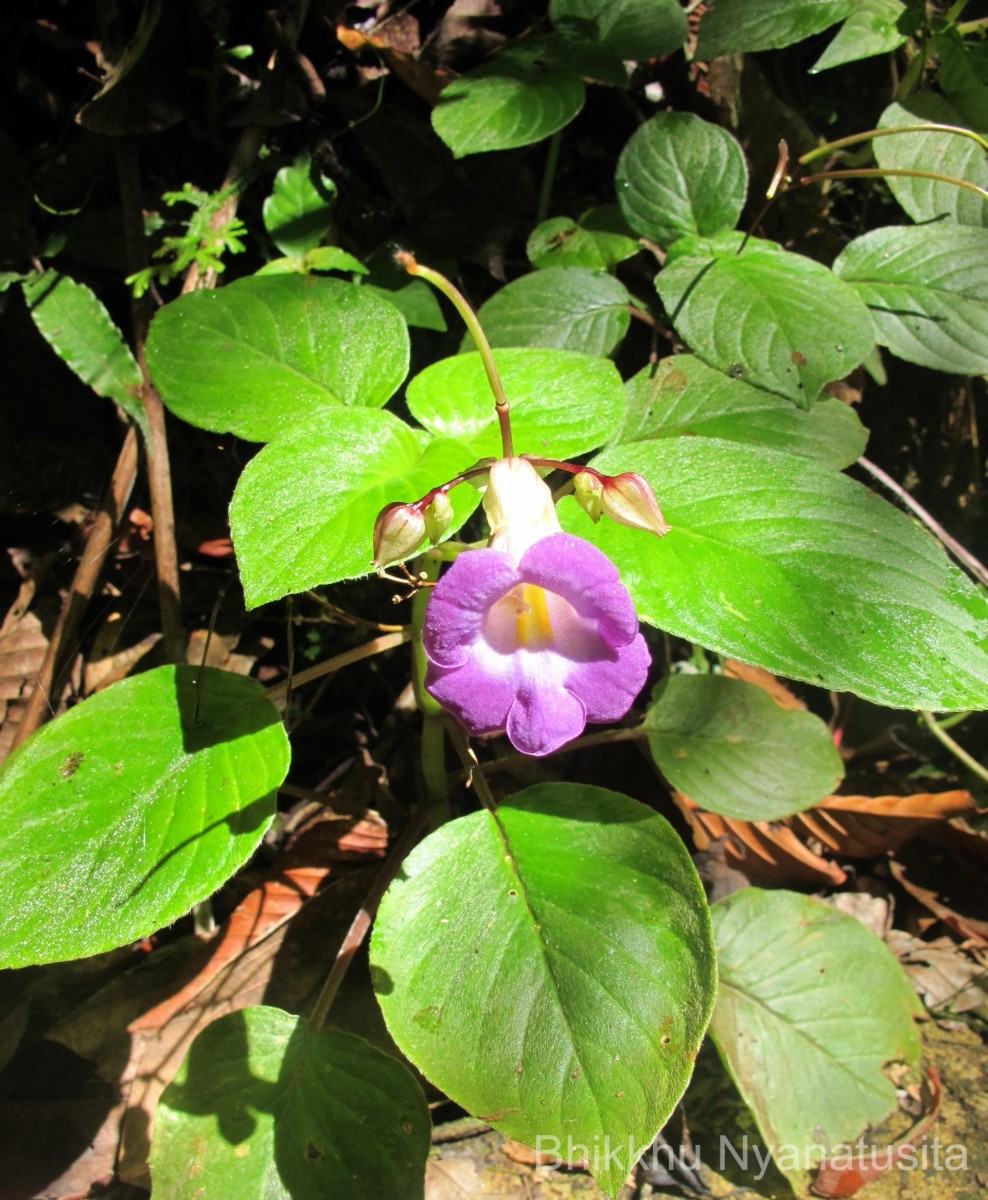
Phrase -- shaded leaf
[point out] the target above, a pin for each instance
(755, 313)
(927, 290)
(874, 27)
(734, 751)
(736, 26)
(261, 355)
(599, 241)
(679, 175)
(128, 810)
(499, 959)
(804, 1042)
(264, 1107)
(633, 29)
(562, 403)
(683, 397)
(298, 213)
(563, 308)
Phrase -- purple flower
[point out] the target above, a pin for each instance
(536, 645)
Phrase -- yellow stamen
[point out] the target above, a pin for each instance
(532, 624)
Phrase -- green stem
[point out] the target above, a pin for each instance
(958, 751)
(428, 566)
(548, 177)
(459, 302)
(870, 134)
(475, 775)
(883, 172)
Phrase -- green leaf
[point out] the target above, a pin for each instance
(132, 807)
(789, 565)
(872, 28)
(414, 298)
(563, 308)
(927, 290)
(680, 175)
(513, 101)
(950, 154)
(298, 213)
(303, 510)
(266, 1108)
(737, 26)
(811, 1007)
(632, 29)
(562, 403)
(75, 323)
(756, 314)
(733, 750)
(963, 76)
(322, 258)
(683, 397)
(599, 241)
(259, 356)
(550, 969)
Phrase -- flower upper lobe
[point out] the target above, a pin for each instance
(537, 647)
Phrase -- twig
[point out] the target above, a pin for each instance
(39, 706)
(474, 774)
(951, 544)
(957, 750)
(377, 646)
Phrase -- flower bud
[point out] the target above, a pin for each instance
(629, 500)
(519, 506)
(589, 491)
(399, 531)
(438, 517)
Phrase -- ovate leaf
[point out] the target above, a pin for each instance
(927, 289)
(303, 510)
(874, 27)
(791, 566)
(261, 355)
(811, 1007)
(681, 175)
(298, 213)
(683, 397)
(550, 968)
(599, 240)
(733, 750)
(566, 308)
(632, 29)
(266, 1108)
(949, 154)
(562, 403)
(755, 313)
(132, 807)
(513, 101)
(737, 26)
(75, 323)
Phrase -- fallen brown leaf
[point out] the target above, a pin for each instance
(766, 681)
(424, 79)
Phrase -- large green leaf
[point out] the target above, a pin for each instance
(550, 968)
(259, 356)
(132, 807)
(562, 403)
(733, 750)
(298, 213)
(784, 563)
(681, 175)
(565, 308)
(810, 1010)
(755, 313)
(266, 1108)
(683, 397)
(632, 29)
(927, 289)
(874, 27)
(516, 100)
(75, 323)
(736, 26)
(599, 240)
(304, 508)
(950, 154)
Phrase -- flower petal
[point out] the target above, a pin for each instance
(544, 718)
(608, 687)
(477, 693)
(460, 601)
(587, 579)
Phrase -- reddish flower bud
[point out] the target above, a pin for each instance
(398, 532)
(588, 488)
(629, 500)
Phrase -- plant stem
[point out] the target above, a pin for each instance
(871, 134)
(474, 774)
(548, 177)
(408, 261)
(884, 172)
(955, 749)
(377, 646)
